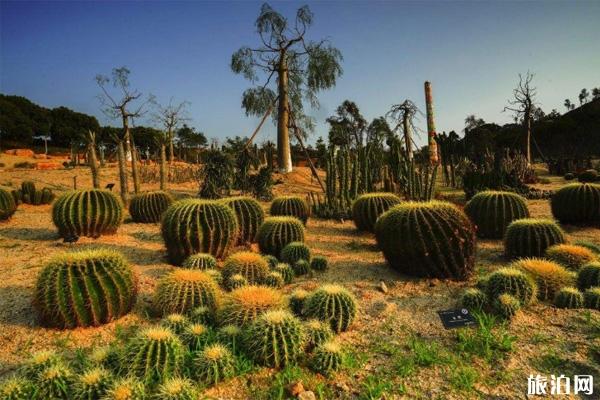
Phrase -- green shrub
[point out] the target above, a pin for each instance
(511, 281)
(592, 298)
(25, 165)
(275, 339)
(589, 175)
(506, 306)
(214, 364)
(182, 290)
(177, 389)
(150, 206)
(286, 272)
(530, 237)
(568, 297)
(16, 388)
(175, 322)
(201, 261)
(249, 214)
(89, 213)
(577, 203)
(301, 267)
(250, 265)
(196, 336)
(589, 276)
(198, 226)
(271, 260)
(295, 251)
(570, 256)
(333, 304)
(85, 288)
(319, 263)
(276, 232)
(327, 358)
(549, 276)
(274, 280)
(297, 300)
(126, 389)
(92, 384)
(368, 207)
(492, 212)
(291, 206)
(427, 239)
(473, 299)
(236, 281)
(317, 333)
(247, 303)
(8, 206)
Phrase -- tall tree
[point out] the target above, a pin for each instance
(347, 126)
(302, 68)
(523, 105)
(583, 96)
(404, 114)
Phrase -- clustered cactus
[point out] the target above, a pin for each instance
(530, 237)
(177, 389)
(301, 267)
(196, 336)
(368, 207)
(55, 382)
(16, 388)
(28, 194)
(493, 211)
(294, 252)
(327, 358)
(8, 206)
(249, 214)
(93, 384)
(87, 213)
(201, 261)
(549, 276)
(182, 290)
(274, 279)
(247, 303)
(126, 389)
(474, 299)
(192, 226)
(427, 239)
(568, 297)
(249, 265)
(577, 203)
(292, 206)
(589, 276)
(514, 282)
(570, 256)
(85, 288)
(277, 232)
(286, 272)
(506, 305)
(333, 304)
(214, 363)
(149, 207)
(175, 322)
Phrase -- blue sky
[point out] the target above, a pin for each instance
(470, 51)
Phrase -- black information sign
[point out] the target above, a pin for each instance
(456, 318)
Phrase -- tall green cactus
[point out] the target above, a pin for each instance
(192, 226)
(530, 237)
(8, 206)
(291, 206)
(250, 215)
(493, 211)
(577, 203)
(368, 207)
(149, 207)
(183, 290)
(85, 288)
(277, 232)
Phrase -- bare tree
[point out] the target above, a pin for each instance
(404, 115)
(90, 140)
(523, 105)
(118, 106)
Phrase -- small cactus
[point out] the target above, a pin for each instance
(319, 263)
(274, 280)
(570, 256)
(16, 388)
(568, 297)
(276, 232)
(230, 335)
(215, 275)
(493, 211)
(249, 214)
(92, 384)
(286, 272)
(291, 206)
(55, 382)
(275, 339)
(236, 281)
(202, 315)
(8, 206)
(38, 362)
(183, 290)
(301, 267)
(250, 265)
(474, 299)
(577, 203)
(333, 304)
(105, 357)
(514, 282)
(175, 322)
(150, 206)
(201, 261)
(271, 260)
(297, 300)
(177, 389)
(126, 389)
(295, 251)
(317, 333)
(589, 276)
(196, 336)
(30, 195)
(245, 304)
(214, 364)
(506, 306)
(327, 358)
(368, 207)
(530, 237)
(592, 298)
(549, 276)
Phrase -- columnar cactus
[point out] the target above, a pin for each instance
(297, 300)
(276, 232)
(153, 355)
(183, 290)
(16, 388)
(192, 226)
(196, 336)
(201, 261)
(549, 276)
(251, 266)
(87, 213)
(493, 211)
(570, 256)
(577, 203)
(28, 194)
(318, 263)
(55, 382)
(92, 384)
(427, 239)
(333, 304)
(275, 339)
(214, 364)
(286, 272)
(301, 267)
(175, 322)
(473, 299)
(592, 298)
(589, 276)
(247, 303)
(126, 389)
(511, 281)
(368, 207)
(274, 280)
(295, 251)
(327, 358)
(568, 297)
(506, 305)
(150, 206)
(177, 389)
(236, 281)
(317, 333)
(530, 237)
(250, 216)
(8, 206)
(292, 206)
(85, 288)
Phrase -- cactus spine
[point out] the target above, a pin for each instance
(149, 207)
(214, 364)
(181, 291)
(201, 261)
(511, 281)
(249, 214)
(8, 206)
(531, 237)
(250, 265)
(333, 304)
(589, 276)
(16, 388)
(276, 232)
(327, 358)
(291, 206)
(247, 303)
(493, 211)
(295, 251)
(577, 203)
(368, 207)
(549, 276)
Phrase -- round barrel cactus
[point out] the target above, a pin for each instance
(201, 261)
(196, 336)
(55, 382)
(149, 207)
(577, 203)
(17, 388)
(589, 276)
(275, 339)
(493, 211)
(511, 281)
(319, 263)
(506, 306)
(251, 266)
(287, 273)
(295, 251)
(8, 206)
(297, 299)
(250, 216)
(87, 213)
(570, 256)
(175, 322)
(317, 333)
(550, 277)
(235, 281)
(591, 298)
(245, 304)
(327, 358)
(333, 304)
(85, 288)
(473, 299)
(301, 267)
(368, 207)
(182, 290)
(274, 279)
(427, 239)
(92, 383)
(292, 206)
(198, 226)
(530, 237)
(126, 389)
(271, 260)
(214, 364)
(277, 232)
(568, 297)
(177, 389)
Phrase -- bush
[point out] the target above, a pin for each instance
(214, 364)
(295, 251)
(568, 297)
(150, 206)
(368, 207)
(530, 237)
(198, 226)
(276, 232)
(589, 276)
(319, 263)
(87, 213)
(250, 265)
(589, 175)
(327, 358)
(92, 384)
(85, 288)
(592, 298)
(182, 290)
(201, 261)
(8, 206)
(577, 203)
(177, 389)
(245, 304)
(570, 256)
(506, 306)
(250, 216)
(493, 211)
(291, 206)
(473, 299)
(217, 174)
(333, 304)
(427, 239)
(549, 276)
(511, 281)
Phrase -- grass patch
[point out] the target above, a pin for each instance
(287, 376)
(464, 378)
(374, 387)
(487, 341)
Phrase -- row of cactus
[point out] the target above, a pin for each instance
(8, 205)
(29, 194)
(577, 203)
(368, 207)
(493, 211)
(530, 237)
(149, 207)
(415, 181)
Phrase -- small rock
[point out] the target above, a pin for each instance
(307, 395)
(383, 287)
(342, 387)
(296, 388)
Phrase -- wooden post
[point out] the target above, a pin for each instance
(433, 153)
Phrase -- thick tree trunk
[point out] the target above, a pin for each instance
(432, 144)
(284, 155)
(407, 136)
(123, 172)
(163, 166)
(528, 137)
(131, 152)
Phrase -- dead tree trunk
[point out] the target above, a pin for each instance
(284, 155)
(93, 160)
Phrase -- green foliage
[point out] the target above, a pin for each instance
(177, 389)
(506, 306)
(182, 290)
(16, 388)
(301, 267)
(201, 261)
(577, 203)
(297, 301)
(291, 206)
(589, 276)
(295, 251)
(247, 303)
(319, 263)
(474, 299)
(175, 322)
(427, 239)
(251, 266)
(276, 232)
(368, 207)
(592, 298)
(92, 384)
(90, 213)
(85, 288)
(196, 336)
(530, 237)
(568, 297)
(549, 276)
(55, 382)
(317, 333)
(493, 211)
(126, 389)
(274, 279)
(589, 175)
(149, 207)
(333, 304)
(514, 282)
(570, 256)
(488, 340)
(198, 226)
(214, 364)
(8, 206)
(327, 358)
(250, 216)
(217, 174)
(275, 339)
